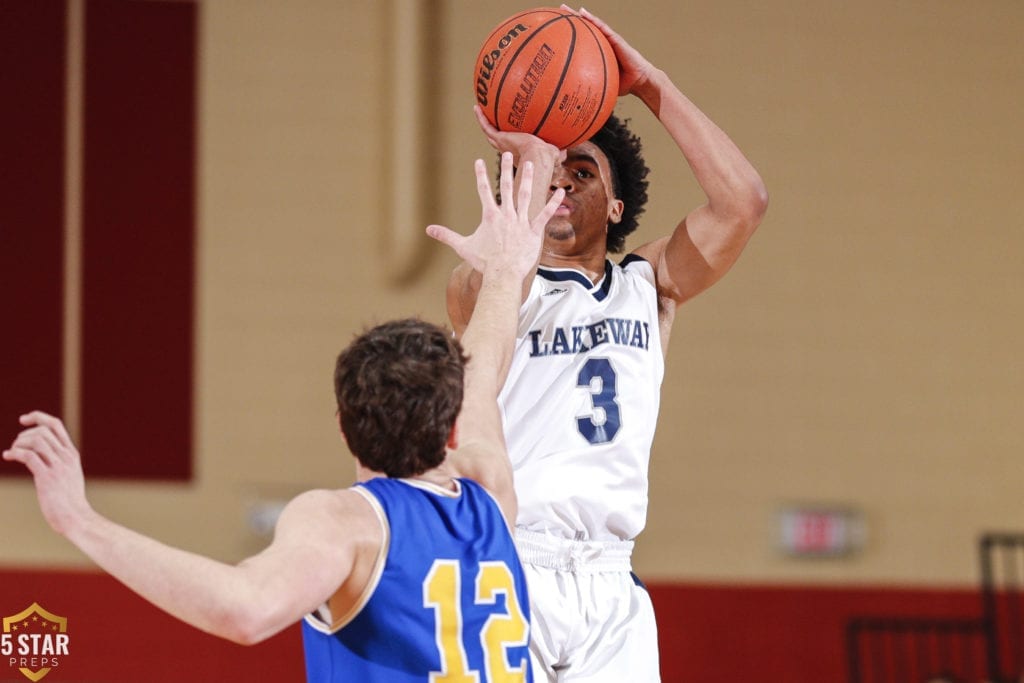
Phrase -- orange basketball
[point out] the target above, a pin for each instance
(548, 72)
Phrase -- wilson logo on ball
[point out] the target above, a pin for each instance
(488, 60)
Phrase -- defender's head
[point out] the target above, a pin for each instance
(399, 391)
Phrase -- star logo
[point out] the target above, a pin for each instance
(34, 640)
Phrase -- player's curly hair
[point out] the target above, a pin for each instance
(629, 177)
(399, 390)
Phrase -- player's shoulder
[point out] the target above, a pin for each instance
(328, 504)
(318, 518)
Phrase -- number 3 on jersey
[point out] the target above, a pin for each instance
(441, 591)
(602, 397)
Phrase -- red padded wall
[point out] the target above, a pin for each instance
(32, 56)
(138, 238)
(707, 633)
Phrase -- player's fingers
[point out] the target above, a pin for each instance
(549, 209)
(506, 180)
(485, 125)
(28, 458)
(525, 189)
(16, 454)
(483, 184)
(600, 23)
(37, 441)
(446, 236)
(478, 111)
(625, 53)
(53, 424)
(45, 435)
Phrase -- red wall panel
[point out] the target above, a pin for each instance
(32, 55)
(729, 633)
(138, 238)
(117, 637)
(707, 633)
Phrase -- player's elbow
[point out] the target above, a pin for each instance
(761, 199)
(248, 625)
(248, 638)
(742, 207)
(244, 637)
(251, 633)
(236, 628)
(751, 202)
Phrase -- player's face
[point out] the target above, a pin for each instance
(589, 200)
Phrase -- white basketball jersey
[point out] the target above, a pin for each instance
(581, 401)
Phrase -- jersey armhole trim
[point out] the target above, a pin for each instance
(640, 266)
(322, 619)
(632, 258)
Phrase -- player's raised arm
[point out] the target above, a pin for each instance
(503, 249)
(709, 239)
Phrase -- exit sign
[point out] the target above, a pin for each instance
(820, 531)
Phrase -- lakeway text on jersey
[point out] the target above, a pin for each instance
(582, 338)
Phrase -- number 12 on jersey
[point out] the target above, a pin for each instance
(442, 590)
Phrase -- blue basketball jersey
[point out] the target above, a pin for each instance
(448, 598)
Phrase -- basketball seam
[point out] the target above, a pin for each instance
(561, 77)
(604, 86)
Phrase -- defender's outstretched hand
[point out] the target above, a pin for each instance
(46, 449)
(506, 238)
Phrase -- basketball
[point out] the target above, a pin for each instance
(547, 72)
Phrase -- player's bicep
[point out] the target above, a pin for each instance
(701, 250)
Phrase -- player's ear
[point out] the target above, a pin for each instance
(615, 211)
